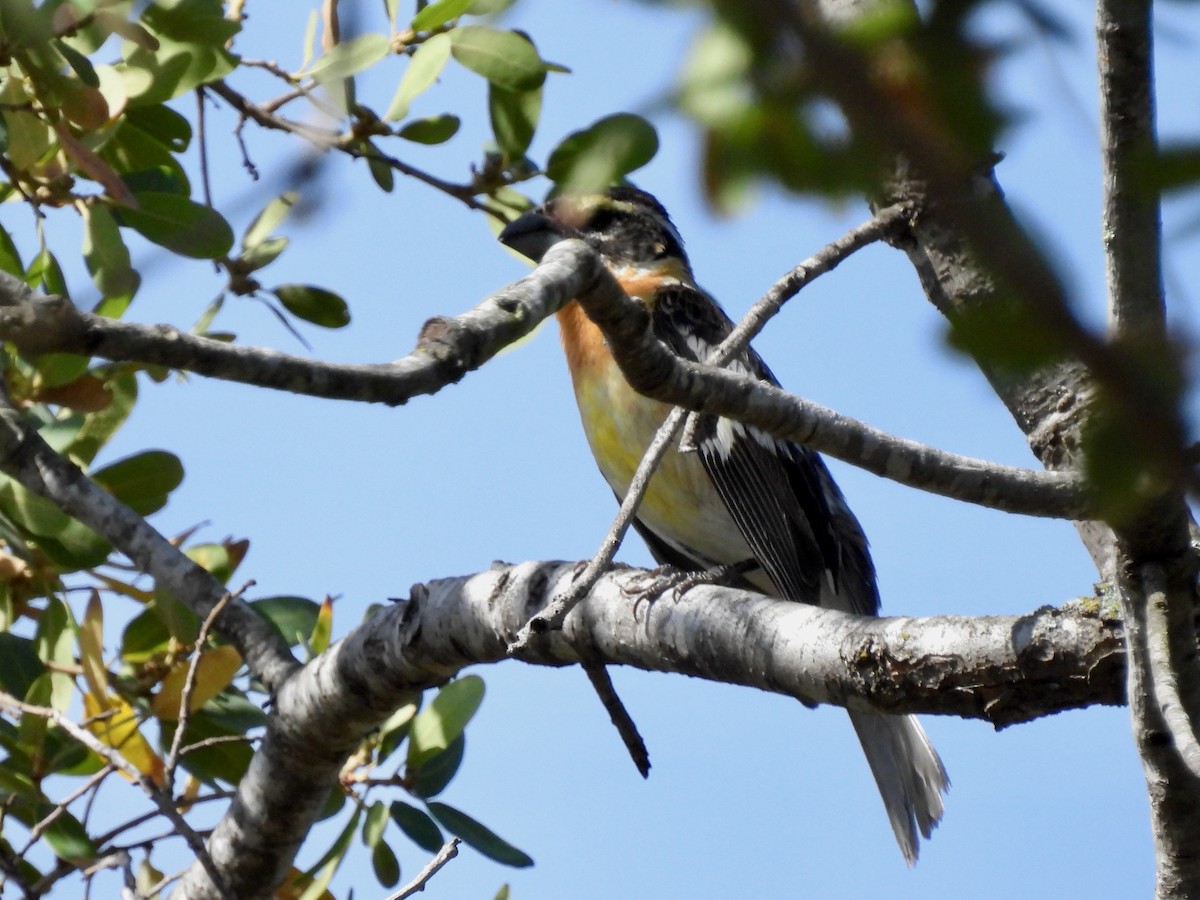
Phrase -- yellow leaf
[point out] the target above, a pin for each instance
(294, 886)
(323, 629)
(118, 728)
(91, 652)
(213, 673)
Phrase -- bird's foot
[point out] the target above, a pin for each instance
(656, 583)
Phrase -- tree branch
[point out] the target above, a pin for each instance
(1003, 669)
(447, 349)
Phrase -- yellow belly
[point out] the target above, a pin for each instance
(681, 504)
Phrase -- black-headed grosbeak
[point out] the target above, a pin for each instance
(743, 495)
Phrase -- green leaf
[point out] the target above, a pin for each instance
(55, 643)
(422, 71)
(10, 257)
(502, 57)
(433, 776)
(440, 723)
(604, 152)
(145, 636)
(387, 867)
(57, 369)
(376, 821)
(181, 225)
(439, 13)
(478, 836)
(514, 116)
(99, 427)
(19, 664)
(68, 839)
(417, 825)
(350, 57)
(314, 304)
(381, 170)
(328, 864)
(224, 761)
(163, 124)
(294, 617)
(143, 481)
(105, 253)
(263, 253)
(268, 220)
(503, 893)
(431, 130)
(45, 272)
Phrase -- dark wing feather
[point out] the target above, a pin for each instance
(783, 499)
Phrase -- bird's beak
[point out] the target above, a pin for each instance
(532, 234)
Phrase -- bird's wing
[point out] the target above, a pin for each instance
(783, 499)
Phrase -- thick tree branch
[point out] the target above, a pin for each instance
(654, 370)
(29, 460)
(447, 349)
(1003, 669)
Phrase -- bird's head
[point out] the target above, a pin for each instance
(627, 226)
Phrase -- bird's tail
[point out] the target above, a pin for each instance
(910, 775)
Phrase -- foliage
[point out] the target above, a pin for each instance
(93, 122)
(97, 122)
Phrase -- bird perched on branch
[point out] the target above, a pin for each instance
(743, 496)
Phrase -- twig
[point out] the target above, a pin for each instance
(189, 685)
(1161, 666)
(448, 852)
(164, 881)
(119, 762)
(61, 806)
(64, 868)
(597, 674)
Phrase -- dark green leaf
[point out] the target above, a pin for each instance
(479, 836)
(1177, 166)
(314, 304)
(502, 57)
(163, 124)
(373, 825)
(294, 617)
(387, 867)
(431, 130)
(68, 839)
(433, 776)
(142, 482)
(10, 257)
(440, 723)
(105, 253)
(179, 224)
(439, 13)
(381, 171)
(514, 116)
(19, 664)
(217, 762)
(602, 153)
(145, 636)
(417, 825)
(75, 547)
(79, 63)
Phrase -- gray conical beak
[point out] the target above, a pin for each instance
(531, 235)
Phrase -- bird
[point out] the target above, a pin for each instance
(742, 497)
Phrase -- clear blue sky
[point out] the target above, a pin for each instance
(751, 795)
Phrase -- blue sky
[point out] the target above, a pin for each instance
(750, 795)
